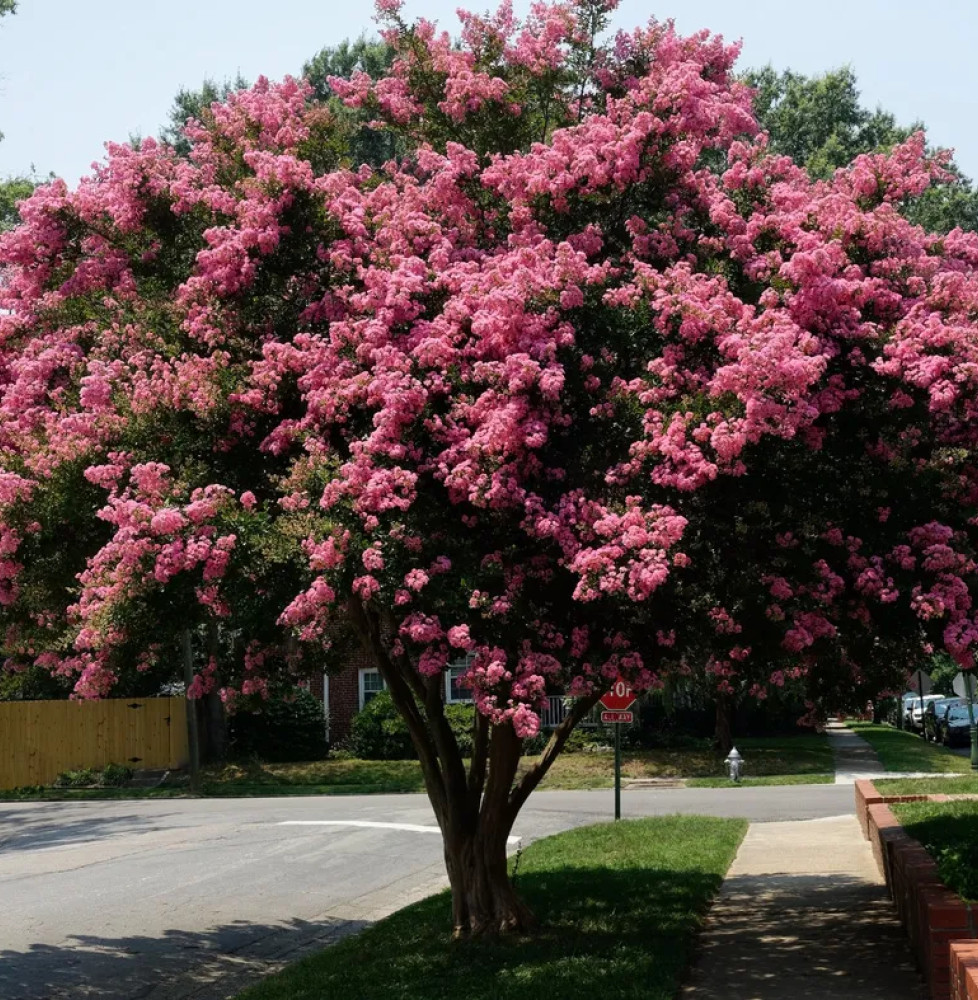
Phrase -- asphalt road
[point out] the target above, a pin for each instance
(178, 898)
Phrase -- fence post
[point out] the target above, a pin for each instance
(193, 739)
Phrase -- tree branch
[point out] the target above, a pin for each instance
(533, 777)
(446, 746)
(504, 759)
(480, 758)
(404, 700)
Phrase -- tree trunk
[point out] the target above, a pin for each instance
(215, 728)
(215, 719)
(475, 807)
(723, 733)
(484, 901)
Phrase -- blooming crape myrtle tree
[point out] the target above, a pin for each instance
(135, 500)
(554, 393)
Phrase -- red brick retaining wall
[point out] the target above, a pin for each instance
(932, 915)
(964, 971)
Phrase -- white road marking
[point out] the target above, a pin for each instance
(373, 825)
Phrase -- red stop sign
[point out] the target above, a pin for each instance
(619, 697)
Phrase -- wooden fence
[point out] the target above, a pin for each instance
(40, 739)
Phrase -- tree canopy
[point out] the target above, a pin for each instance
(551, 395)
(820, 123)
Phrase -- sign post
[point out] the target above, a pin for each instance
(964, 687)
(616, 703)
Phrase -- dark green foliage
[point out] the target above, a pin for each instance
(462, 720)
(12, 190)
(281, 729)
(364, 145)
(196, 104)
(365, 55)
(380, 733)
(33, 684)
(818, 120)
(942, 670)
(820, 123)
(949, 831)
(115, 775)
(81, 778)
(111, 776)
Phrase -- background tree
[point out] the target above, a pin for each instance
(195, 105)
(12, 191)
(820, 123)
(366, 145)
(363, 144)
(551, 393)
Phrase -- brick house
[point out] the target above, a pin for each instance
(346, 693)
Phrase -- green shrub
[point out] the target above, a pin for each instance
(462, 720)
(81, 778)
(535, 744)
(280, 730)
(115, 775)
(379, 732)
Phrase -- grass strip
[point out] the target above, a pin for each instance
(949, 831)
(771, 779)
(44, 794)
(619, 905)
(899, 750)
(963, 784)
(768, 760)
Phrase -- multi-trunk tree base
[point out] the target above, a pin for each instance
(484, 901)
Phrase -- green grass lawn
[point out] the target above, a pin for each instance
(43, 794)
(768, 760)
(899, 750)
(619, 906)
(949, 831)
(770, 779)
(959, 784)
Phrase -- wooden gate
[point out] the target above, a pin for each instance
(40, 739)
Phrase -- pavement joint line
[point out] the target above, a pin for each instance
(374, 825)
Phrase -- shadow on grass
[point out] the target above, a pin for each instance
(622, 933)
(174, 963)
(616, 921)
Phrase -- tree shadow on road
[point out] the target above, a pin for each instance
(31, 829)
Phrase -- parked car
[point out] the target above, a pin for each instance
(917, 707)
(955, 727)
(934, 712)
(906, 707)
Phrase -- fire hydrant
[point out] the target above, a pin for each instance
(735, 764)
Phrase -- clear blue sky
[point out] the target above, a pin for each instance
(74, 73)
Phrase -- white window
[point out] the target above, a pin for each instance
(455, 690)
(371, 684)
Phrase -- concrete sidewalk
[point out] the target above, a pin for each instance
(855, 759)
(803, 913)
